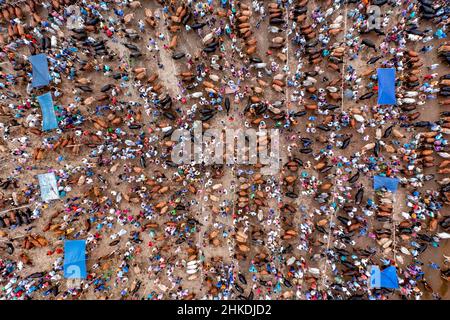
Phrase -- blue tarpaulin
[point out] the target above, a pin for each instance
(390, 184)
(48, 186)
(386, 86)
(41, 77)
(49, 120)
(384, 279)
(389, 278)
(75, 259)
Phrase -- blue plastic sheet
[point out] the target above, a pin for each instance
(386, 86)
(41, 76)
(75, 259)
(389, 278)
(48, 186)
(383, 279)
(49, 120)
(390, 184)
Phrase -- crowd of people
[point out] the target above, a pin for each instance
(124, 75)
